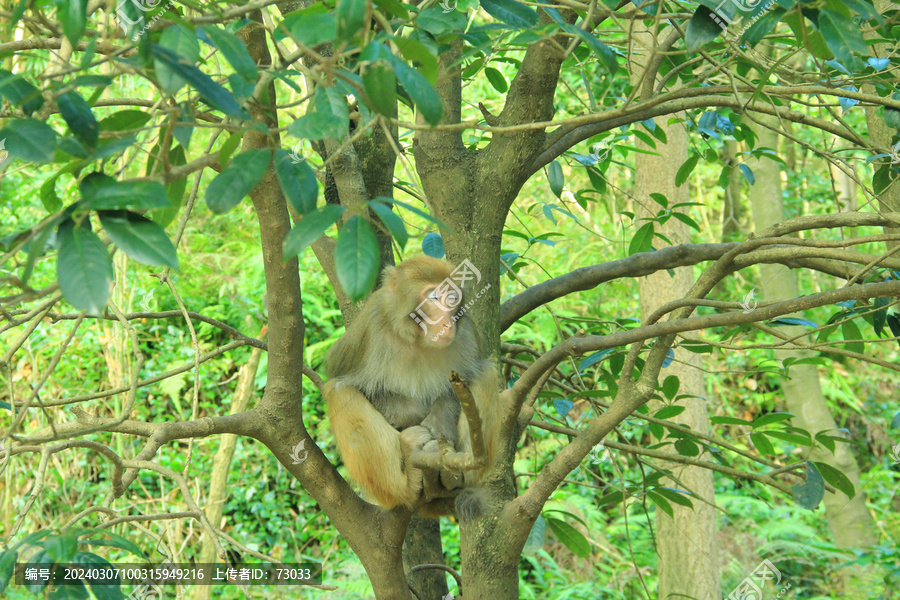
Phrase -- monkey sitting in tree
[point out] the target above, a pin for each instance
(389, 392)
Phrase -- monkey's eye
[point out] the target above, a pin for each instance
(434, 295)
(452, 298)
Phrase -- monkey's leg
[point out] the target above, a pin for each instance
(374, 452)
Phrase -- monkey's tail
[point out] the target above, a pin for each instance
(470, 504)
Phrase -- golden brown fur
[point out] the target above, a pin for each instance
(388, 393)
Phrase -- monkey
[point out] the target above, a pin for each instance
(388, 392)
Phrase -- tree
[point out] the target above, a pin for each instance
(224, 76)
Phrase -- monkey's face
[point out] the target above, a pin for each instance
(436, 314)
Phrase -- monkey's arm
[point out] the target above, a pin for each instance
(443, 417)
(374, 452)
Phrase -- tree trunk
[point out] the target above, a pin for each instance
(880, 133)
(849, 521)
(423, 546)
(222, 465)
(688, 554)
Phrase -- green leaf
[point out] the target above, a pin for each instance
(891, 118)
(230, 186)
(35, 250)
(351, 14)
(843, 37)
(677, 496)
(851, 332)
(555, 178)
(101, 576)
(73, 15)
(728, 421)
(641, 242)
(792, 322)
(670, 388)
(356, 258)
(48, 196)
(393, 8)
(217, 96)
(332, 103)
(433, 245)
(762, 443)
(310, 228)
(606, 55)
(661, 503)
(669, 411)
(437, 21)
(497, 80)
(413, 210)
(422, 93)
(571, 538)
(514, 14)
(756, 32)
(810, 493)
(95, 81)
(102, 192)
(878, 317)
(182, 45)
(78, 116)
(228, 148)
(685, 170)
(20, 92)
(794, 438)
(297, 181)
(316, 126)
(770, 418)
(686, 447)
(836, 478)
(83, 268)
(125, 120)
(611, 498)
(233, 49)
(882, 180)
(184, 125)
(393, 222)
(701, 29)
(380, 85)
(311, 26)
(61, 547)
(532, 544)
(29, 139)
(140, 238)
(174, 191)
(113, 540)
(8, 560)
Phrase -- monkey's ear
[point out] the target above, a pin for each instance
(389, 279)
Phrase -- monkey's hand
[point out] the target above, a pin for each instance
(412, 439)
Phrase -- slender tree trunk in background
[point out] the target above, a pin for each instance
(222, 465)
(849, 520)
(880, 133)
(688, 555)
(845, 189)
